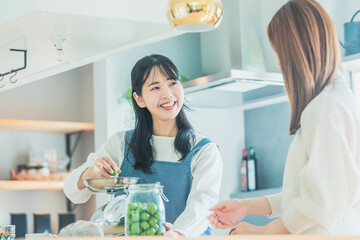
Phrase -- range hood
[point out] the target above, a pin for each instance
(237, 55)
(234, 80)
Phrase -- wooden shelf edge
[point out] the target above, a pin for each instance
(15, 185)
(45, 126)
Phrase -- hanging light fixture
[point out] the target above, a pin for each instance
(195, 15)
(59, 43)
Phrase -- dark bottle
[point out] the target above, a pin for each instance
(251, 170)
(243, 171)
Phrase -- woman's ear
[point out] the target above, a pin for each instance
(139, 100)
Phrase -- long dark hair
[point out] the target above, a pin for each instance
(140, 143)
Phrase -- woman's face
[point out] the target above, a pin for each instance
(162, 96)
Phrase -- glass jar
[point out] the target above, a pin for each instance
(145, 210)
(38, 168)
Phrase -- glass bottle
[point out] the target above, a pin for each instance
(251, 170)
(145, 210)
(243, 170)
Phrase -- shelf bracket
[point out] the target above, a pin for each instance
(70, 152)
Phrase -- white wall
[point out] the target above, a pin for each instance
(64, 97)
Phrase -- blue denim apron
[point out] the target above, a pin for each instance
(174, 176)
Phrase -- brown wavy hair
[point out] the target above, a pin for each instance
(305, 41)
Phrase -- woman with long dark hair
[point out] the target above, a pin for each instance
(321, 182)
(163, 148)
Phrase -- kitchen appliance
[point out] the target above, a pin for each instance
(111, 215)
(352, 36)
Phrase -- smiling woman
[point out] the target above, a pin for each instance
(163, 148)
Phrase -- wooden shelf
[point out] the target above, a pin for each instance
(44, 126)
(14, 185)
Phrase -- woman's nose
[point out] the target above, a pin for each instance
(167, 93)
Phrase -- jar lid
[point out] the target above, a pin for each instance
(116, 209)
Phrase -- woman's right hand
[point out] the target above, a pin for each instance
(103, 167)
(227, 213)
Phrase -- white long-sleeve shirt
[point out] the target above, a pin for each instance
(321, 182)
(206, 168)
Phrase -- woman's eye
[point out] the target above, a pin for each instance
(173, 83)
(154, 88)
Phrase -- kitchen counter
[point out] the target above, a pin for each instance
(239, 237)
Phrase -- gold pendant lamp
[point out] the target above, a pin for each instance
(195, 15)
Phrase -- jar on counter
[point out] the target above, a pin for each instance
(145, 210)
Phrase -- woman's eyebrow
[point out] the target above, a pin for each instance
(153, 83)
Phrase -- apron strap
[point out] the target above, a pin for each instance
(197, 147)
(187, 158)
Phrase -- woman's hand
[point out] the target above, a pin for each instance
(246, 228)
(103, 167)
(227, 213)
(169, 231)
(274, 227)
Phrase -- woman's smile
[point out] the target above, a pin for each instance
(168, 105)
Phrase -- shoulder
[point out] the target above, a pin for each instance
(209, 145)
(206, 156)
(333, 105)
(117, 138)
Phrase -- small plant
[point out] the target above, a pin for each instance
(183, 78)
(128, 95)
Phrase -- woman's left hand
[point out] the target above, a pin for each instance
(169, 231)
(246, 228)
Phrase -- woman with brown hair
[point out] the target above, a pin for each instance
(321, 182)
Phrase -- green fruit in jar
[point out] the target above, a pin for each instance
(135, 217)
(156, 227)
(144, 206)
(158, 233)
(145, 225)
(151, 208)
(130, 213)
(139, 207)
(151, 231)
(128, 221)
(157, 216)
(135, 228)
(132, 206)
(143, 233)
(153, 221)
(145, 216)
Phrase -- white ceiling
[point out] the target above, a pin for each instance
(95, 28)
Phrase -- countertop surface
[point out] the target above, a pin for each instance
(239, 237)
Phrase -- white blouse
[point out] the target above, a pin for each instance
(206, 167)
(321, 182)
